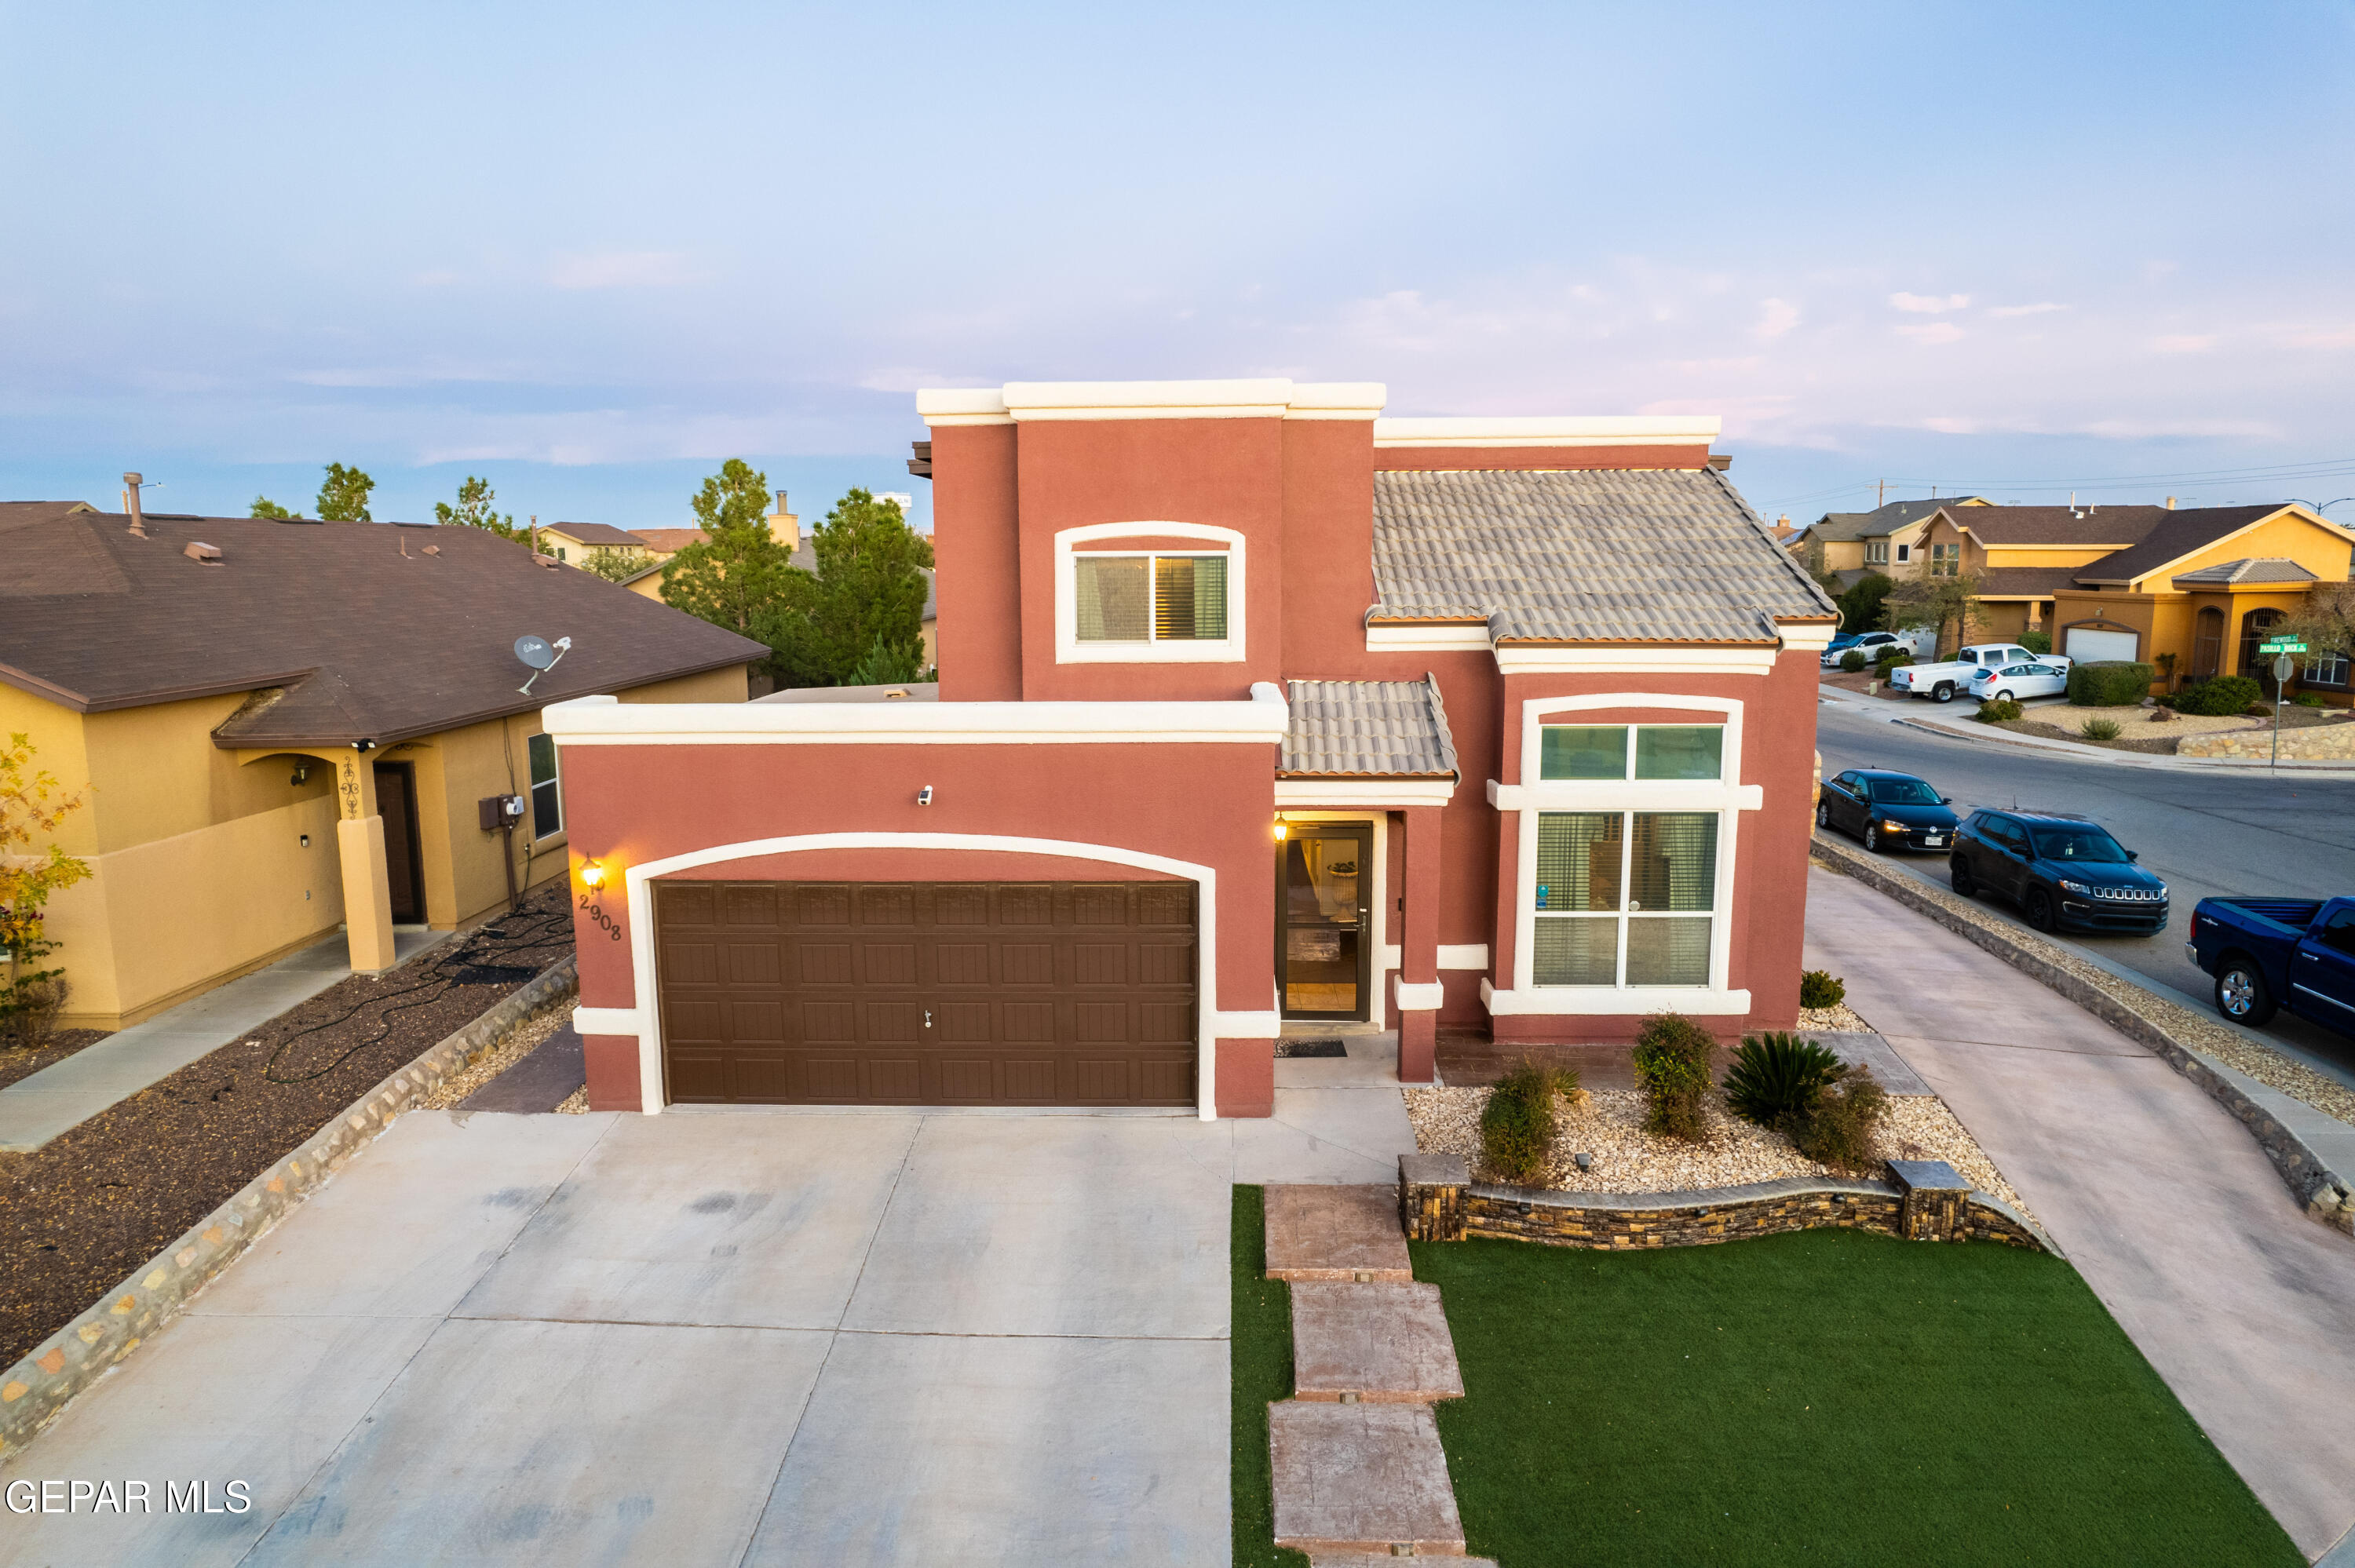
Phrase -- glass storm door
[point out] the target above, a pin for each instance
(1324, 898)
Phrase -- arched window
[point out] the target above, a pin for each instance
(2253, 628)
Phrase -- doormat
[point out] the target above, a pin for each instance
(493, 974)
(1311, 1048)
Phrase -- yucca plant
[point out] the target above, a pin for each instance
(2099, 729)
(1777, 1079)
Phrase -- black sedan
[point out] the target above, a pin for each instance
(2062, 872)
(1887, 810)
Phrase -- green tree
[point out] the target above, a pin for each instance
(344, 495)
(1859, 602)
(613, 564)
(1936, 602)
(737, 574)
(31, 806)
(870, 590)
(265, 507)
(473, 511)
(887, 665)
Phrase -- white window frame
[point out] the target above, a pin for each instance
(1725, 795)
(1071, 543)
(1876, 553)
(1904, 552)
(532, 787)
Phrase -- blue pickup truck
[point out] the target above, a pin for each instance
(2269, 953)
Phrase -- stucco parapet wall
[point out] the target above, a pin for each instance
(2325, 1192)
(1260, 719)
(1271, 397)
(36, 1388)
(1576, 431)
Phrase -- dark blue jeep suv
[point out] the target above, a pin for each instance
(2064, 872)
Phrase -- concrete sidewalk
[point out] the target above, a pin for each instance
(37, 1107)
(2163, 1202)
(770, 1336)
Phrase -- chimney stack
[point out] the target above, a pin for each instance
(2171, 504)
(131, 483)
(784, 527)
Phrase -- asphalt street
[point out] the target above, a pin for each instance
(2223, 833)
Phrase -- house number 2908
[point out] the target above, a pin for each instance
(597, 913)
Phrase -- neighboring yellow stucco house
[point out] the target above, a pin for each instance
(308, 729)
(1887, 539)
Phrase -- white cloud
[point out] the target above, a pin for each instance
(1776, 317)
(624, 270)
(2184, 343)
(1931, 332)
(1929, 305)
(2035, 310)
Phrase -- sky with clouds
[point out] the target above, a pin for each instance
(590, 250)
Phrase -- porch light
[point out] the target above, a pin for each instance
(592, 875)
(1281, 828)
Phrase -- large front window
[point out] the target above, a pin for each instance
(1150, 598)
(1625, 898)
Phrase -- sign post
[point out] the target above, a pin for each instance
(2284, 667)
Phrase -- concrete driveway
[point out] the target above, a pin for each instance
(760, 1338)
(2163, 1201)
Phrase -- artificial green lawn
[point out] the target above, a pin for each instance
(1826, 1397)
(1262, 1374)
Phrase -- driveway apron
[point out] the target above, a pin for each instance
(2160, 1197)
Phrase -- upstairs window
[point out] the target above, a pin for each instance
(1904, 552)
(1945, 560)
(1620, 751)
(1877, 552)
(1150, 598)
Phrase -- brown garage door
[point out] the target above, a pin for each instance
(928, 992)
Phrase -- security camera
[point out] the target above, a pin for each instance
(363, 745)
(924, 796)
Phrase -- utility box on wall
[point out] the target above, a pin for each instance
(497, 811)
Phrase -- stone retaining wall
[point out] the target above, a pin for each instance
(36, 1388)
(2328, 1195)
(2326, 742)
(1439, 1201)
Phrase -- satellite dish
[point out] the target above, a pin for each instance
(541, 654)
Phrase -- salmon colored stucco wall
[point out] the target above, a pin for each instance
(1203, 804)
(977, 575)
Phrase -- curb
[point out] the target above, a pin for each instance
(36, 1388)
(1980, 734)
(2326, 1194)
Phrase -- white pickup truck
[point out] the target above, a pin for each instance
(1950, 678)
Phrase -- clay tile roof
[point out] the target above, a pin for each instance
(1391, 729)
(2253, 569)
(1585, 556)
(669, 541)
(365, 635)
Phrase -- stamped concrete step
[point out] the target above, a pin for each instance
(1390, 1559)
(1387, 1560)
(1362, 1479)
(1340, 1233)
(1386, 1344)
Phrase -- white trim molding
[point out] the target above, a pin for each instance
(1579, 431)
(1725, 795)
(1262, 1025)
(608, 1020)
(1427, 637)
(1634, 659)
(1394, 794)
(1104, 537)
(1424, 998)
(1806, 637)
(647, 1015)
(1268, 397)
(1597, 1001)
(1462, 955)
(602, 721)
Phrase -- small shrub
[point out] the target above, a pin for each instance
(1776, 1079)
(1839, 1131)
(2224, 694)
(1890, 655)
(2099, 729)
(1999, 711)
(2036, 641)
(1671, 1057)
(2309, 700)
(29, 1009)
(2109, 683)
(2259, 710)
(1821, 988)
(1517, 1125)
(1852, 661)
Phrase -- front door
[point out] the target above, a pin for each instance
(396, 799)
(1324, 940)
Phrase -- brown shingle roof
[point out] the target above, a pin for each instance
(2117, 526)
(366, 642)
(2014, 582)
(2250, 569)
(668, 541)
(2173, 536)
(593, 533)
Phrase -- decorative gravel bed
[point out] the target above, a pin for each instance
(96, 1201)
(1609, 1125)
(1837, 1019)
(575, 1103)
(519, 1043)
(2268, 1066)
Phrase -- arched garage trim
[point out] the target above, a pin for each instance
(1208, 1022)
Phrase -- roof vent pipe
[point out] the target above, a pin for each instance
(131, 483)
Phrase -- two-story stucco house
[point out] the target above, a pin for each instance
(1255, 709)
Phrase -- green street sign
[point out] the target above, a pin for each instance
(2281, 648)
